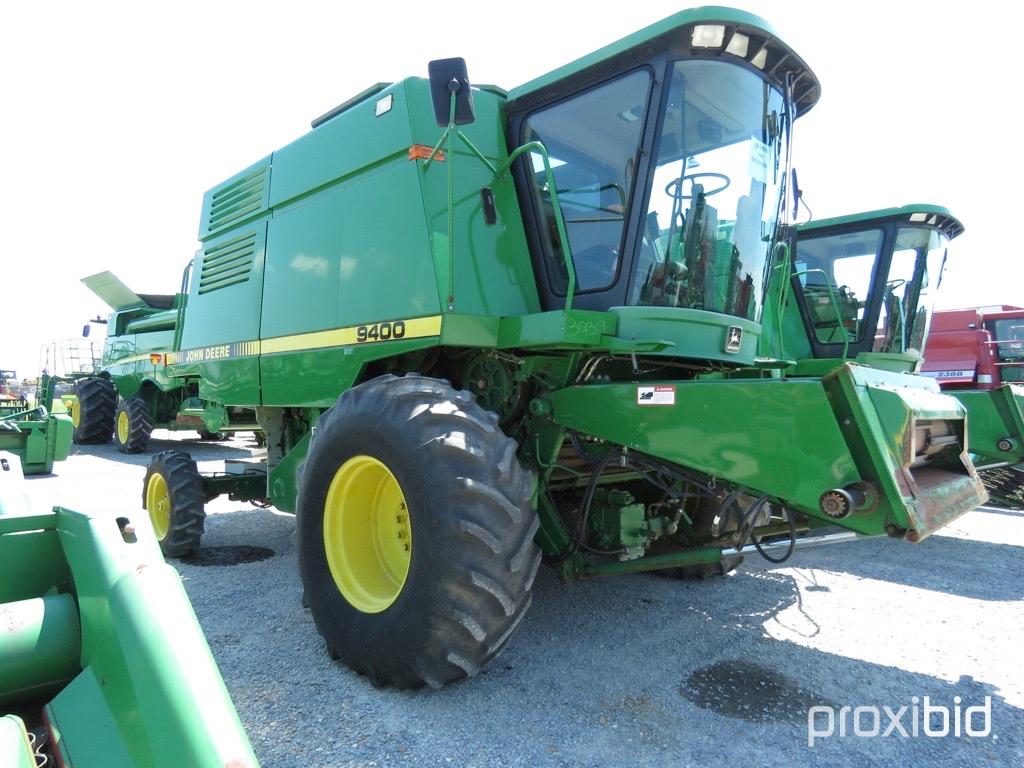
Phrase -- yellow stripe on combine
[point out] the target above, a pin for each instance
(356, 335)
(133, 358)
(417, 328)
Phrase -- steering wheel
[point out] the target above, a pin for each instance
(674, 188)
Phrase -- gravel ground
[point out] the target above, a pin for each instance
(632, 670)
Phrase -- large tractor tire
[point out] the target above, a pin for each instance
(92, 411)
(132, 426)
(172, 494)
(415, 532)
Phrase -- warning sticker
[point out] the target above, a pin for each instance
(663, 395)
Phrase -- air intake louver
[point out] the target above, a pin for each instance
(227, 263)
(237, 200)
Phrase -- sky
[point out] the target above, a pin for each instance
(118, 116)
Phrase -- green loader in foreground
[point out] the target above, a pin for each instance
(102, 661)
(555, 332)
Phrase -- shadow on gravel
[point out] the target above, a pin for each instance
(631, 670)
(231, 555)
(744, 689)
(635, 671)
(976, 569)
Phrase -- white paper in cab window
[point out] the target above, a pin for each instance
(758, 166)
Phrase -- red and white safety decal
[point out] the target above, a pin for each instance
(661, 395)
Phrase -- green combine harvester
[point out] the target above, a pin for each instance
(133, 395)
(102, 661)
(893, 260)
(484, 328)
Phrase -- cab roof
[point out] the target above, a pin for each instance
(762, 49)
(920, 214)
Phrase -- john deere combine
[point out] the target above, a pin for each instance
(133, 395)
(864, 289)
(483, 328)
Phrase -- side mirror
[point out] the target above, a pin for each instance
(448, 76)
(85, 330)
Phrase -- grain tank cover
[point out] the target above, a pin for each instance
(116, 294)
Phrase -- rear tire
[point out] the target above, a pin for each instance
(172, 494)
(461, 591)
(93, 412)
(132, 426)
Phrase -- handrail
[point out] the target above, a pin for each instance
(835, 305)
(448, 140)
(784, 264)
(570, 268)
(179, 319)
(903, 319)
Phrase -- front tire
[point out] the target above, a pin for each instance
(132, 426)
(172, 494)
(415, 532)
(92, 411)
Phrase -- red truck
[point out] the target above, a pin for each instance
(978, 354)
(978, 348)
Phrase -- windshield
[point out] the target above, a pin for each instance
(837, 267)
(914, 273)
(715, 192)
(1009, 337)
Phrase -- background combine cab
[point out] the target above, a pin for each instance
(102, 661)
(977, 355)
(863, 288)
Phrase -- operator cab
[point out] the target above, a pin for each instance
(1006, 330)
(668, 152)
(867, 282)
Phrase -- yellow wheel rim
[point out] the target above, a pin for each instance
(72, 407)
(158, 504)
(123, 427)
(367, 534)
